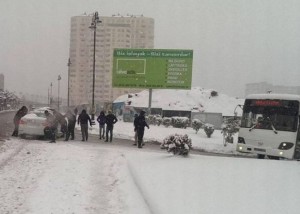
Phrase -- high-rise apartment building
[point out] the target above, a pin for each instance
(113, 32)
(2, 82)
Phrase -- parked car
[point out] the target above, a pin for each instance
(34, 123)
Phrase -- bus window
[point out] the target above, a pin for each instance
(282, 117)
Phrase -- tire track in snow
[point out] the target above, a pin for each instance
(12, 154)
(133, 175)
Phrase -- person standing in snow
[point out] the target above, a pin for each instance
(20, 113)
(110, 121)
(62, 121)
(83, 120)
(135, 131)
(140, 124)
(101, 120)
(51, 128)
(71, 125)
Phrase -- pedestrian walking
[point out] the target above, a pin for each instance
(101, 120)
(71, 125)
(83, 120)
(20, 113)
(140, 124)
(110, 121)
(51, 127)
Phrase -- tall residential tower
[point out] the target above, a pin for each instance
(112, 32)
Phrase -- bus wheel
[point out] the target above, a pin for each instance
(273, 157)
(259, 156)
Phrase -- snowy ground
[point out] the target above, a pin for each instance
(93, 177)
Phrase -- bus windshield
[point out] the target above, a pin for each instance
(279, 115)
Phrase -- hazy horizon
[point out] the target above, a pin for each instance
(235, 42)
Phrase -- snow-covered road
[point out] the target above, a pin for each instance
(38, 177)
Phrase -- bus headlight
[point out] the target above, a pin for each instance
(285, 145)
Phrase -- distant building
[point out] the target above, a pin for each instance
(2, 82)
(264, 87)
(113, 32)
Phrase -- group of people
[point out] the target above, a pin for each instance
(84, 120)
(68, 122)
(109, 120)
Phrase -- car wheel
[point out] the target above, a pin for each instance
(273, 157)
(259, 156)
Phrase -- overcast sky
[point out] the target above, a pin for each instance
(234, 41)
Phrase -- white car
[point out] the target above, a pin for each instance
(34, 123)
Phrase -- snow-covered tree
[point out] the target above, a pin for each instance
(154, 119)
(177, 144)
(167, 121)
(229, 128)
(180, 122)
(209, 129)
(197, 124)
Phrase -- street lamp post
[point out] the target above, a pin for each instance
(93, 26)
(58, 79)
(69, 64)
(51, 95)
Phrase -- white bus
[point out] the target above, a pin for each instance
(270, 126)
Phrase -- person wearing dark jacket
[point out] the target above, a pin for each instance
(139, 125)
(83, 120)
(20, 113)
(101, 120)
(71, 125)
(51, 128)
(110, 120)
(135, 131)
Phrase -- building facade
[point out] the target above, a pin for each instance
(264, 87)
(1, 82)
(113, 32)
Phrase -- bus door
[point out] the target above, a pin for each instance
(297, 149)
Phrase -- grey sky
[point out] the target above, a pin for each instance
(234, 41)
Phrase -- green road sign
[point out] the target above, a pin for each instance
(152, 68)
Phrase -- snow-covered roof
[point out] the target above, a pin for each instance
(197, 100)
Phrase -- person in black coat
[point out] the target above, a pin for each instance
(135, 131)
(83, 120)
(51, 128)
(71, 125)
(101, 120)
(20, 113)
(139, 125)
(110, 121)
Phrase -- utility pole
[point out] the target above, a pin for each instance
(93, 26)
(58, 79)
(69, 64)
(51, 94)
